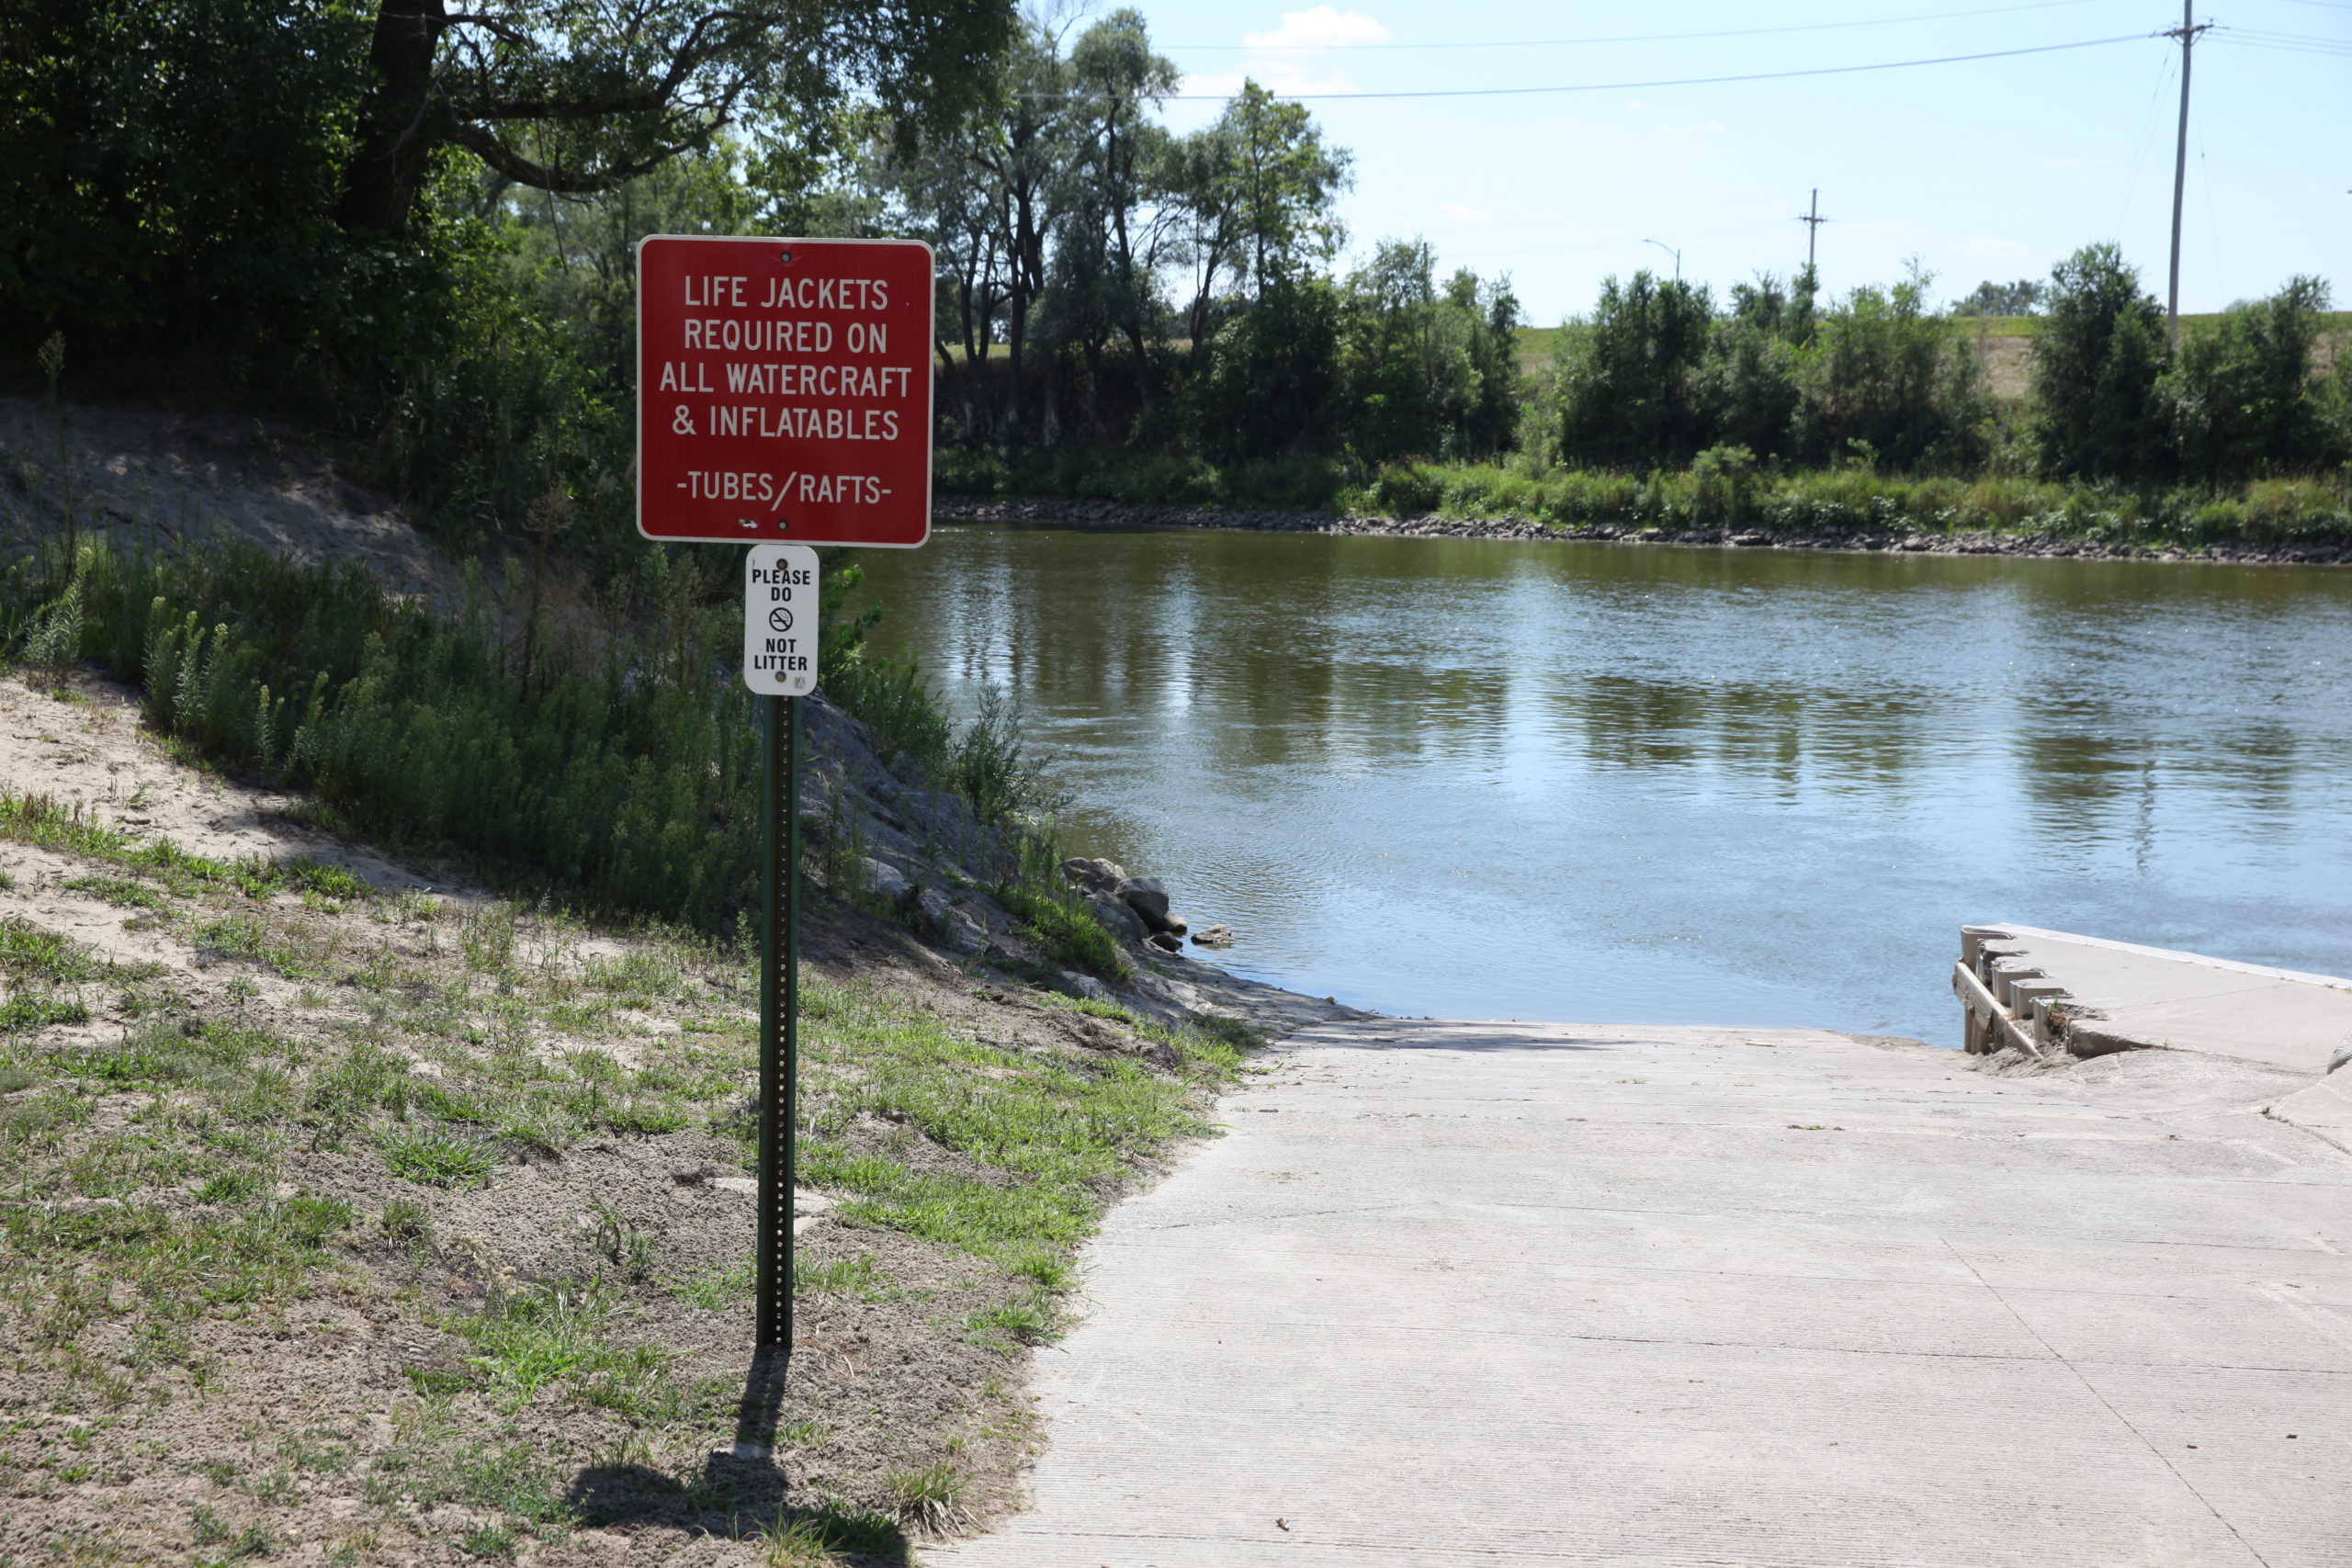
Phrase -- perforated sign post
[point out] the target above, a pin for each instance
(783, 401)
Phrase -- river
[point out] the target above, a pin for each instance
(1640, 785)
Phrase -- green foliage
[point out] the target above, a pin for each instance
(1063, 930)
(932, 1498)
(1855, 500)
(1266, 383)
(1891, 381)
(1628, 385)
(2022, 298)
(1748, 387)
(1428, 371)
(404, 1219)
(2242, 399)
(2096, 362)
(167, 167)
(990, 765)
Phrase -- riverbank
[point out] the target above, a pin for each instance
(357, 1211)
(1833, 535)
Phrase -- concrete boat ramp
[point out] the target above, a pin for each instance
(1456, 1292)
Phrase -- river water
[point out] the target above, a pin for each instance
(1638, 784)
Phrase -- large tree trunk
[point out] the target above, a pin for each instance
(398, 124)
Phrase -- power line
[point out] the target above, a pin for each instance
(1636, 37)
(1674, 82)
(2300, 43)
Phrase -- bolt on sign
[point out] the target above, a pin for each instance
(783, 390)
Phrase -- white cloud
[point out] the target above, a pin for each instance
(1325, 26)
(1461, 214)
(1704, 127)
(1638, 104)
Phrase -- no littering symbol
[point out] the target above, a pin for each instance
(779, 619)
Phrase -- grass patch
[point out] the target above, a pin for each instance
(1033, 1317)
(1061, 930)
(932, 1498)
(118, 891)
(432, 1157)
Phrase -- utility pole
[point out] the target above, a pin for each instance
(2186, 33)
(1812, 222)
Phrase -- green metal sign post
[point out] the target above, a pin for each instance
(779, 1020)
(784, 393)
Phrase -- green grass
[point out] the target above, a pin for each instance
(118, 891)
(932, 1497)
(727, 1285)
(1062, 929)
(1033, 1317)
(1050, 1139)
(436, 1159)
(2264, 513)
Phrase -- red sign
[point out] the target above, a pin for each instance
(783, 390)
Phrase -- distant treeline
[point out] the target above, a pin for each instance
(420, 238)
(1658, 375)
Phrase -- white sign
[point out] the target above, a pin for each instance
(780, 620)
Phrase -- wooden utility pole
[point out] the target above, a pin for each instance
(2186, 33)
(1812, 222)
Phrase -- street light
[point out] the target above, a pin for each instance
(1669, 250)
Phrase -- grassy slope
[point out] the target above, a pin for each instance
(353, 1219)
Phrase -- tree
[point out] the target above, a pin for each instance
(1122, 167)
(1260, 186)
(1889, 379)
(1428, 372)
(1265, 384)
(580, 96)
(165, 166)
(2240, 396)
(2022, 298)
(1628, 392)
(2095, 363)
(1021, 144)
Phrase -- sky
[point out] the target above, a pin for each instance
(1991, 168)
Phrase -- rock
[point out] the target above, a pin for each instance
(956, 926)
(1178, 925)
(1147, 898)
(1084, 987)
(1117, 918)
(1167, 941)
(1214, 936)
(887, 880)
(1094, 876)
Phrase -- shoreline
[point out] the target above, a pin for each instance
(1122, 515)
